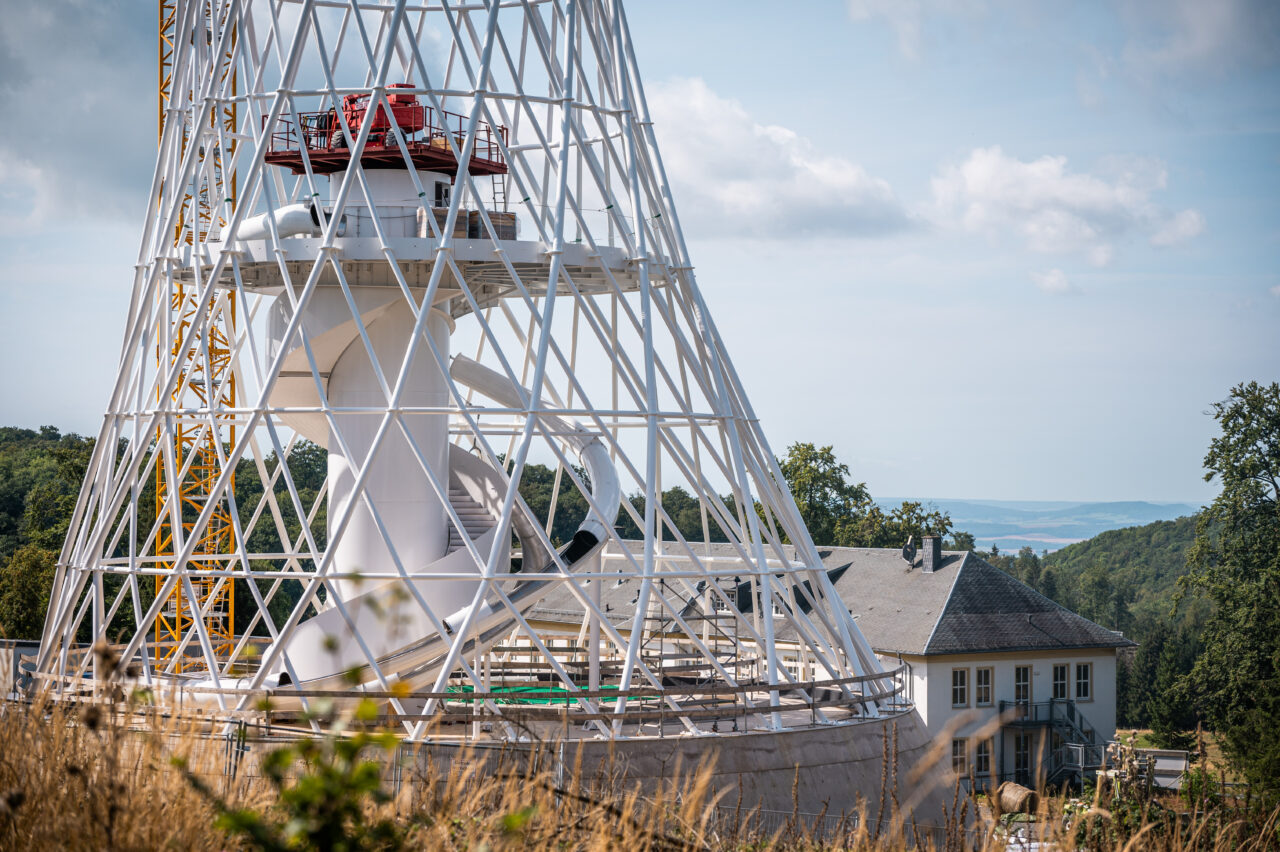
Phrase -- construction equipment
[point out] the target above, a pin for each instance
(200, 346)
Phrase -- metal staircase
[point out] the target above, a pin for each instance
(476, 520)
(1077, 753)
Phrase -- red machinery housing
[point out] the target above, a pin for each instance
(408, 113)
(318, 137)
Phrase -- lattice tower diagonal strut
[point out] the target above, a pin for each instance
(437, 393)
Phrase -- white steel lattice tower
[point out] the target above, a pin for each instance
(437, 258)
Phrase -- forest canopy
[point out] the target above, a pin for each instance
(41, 471)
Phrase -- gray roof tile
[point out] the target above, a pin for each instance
(991, 611)
(966, 606)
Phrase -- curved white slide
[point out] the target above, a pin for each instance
(388, 617)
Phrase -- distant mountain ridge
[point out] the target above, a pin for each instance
(1046, 525)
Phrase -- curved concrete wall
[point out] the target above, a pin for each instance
(826, 769)
(831, 768)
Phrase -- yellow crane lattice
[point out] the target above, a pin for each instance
(202, 346)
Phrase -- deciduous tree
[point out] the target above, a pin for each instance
(1235, 562)
(838, 511)
(822, 490)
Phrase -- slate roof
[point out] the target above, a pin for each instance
(966, 606)
(895, 606)
(990, 611)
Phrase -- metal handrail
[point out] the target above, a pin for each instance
(321, 133)
(1081, 750)
(890, 679)
(1059, 711)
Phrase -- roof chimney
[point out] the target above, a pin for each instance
(931, 549)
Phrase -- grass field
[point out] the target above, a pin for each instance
(120, 777)
(1217, 764)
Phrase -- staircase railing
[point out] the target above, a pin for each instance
(1081, 750)
(1066, 714)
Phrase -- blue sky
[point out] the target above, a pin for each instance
(985, 249)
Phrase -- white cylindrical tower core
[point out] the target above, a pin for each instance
(411, 513)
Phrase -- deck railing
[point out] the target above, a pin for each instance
(707, 702)
(321, 132)
(1059, 712)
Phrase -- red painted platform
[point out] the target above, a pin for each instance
(319, 136)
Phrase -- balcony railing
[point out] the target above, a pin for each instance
(1056, 711)
(427, 132)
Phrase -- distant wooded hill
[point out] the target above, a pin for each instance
(1123, 579)
(1140, 564)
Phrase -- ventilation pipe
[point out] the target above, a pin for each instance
(292, 220)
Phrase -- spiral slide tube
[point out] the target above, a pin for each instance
(394, 627)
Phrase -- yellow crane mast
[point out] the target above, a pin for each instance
(202, 346)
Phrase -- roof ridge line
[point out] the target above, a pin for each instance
(964, 560)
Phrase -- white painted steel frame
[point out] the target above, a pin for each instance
(562, 76)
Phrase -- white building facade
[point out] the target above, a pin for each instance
(998, 708)
(1022, 688)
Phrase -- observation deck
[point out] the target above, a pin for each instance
(263, 269)
(318, 138)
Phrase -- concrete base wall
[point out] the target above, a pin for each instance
(835, 769)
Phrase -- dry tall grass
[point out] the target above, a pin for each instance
(103, 777)
(79, 779)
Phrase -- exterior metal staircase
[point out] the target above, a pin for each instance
(476, 520)
(1077, 752)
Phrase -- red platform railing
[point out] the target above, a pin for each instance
(427, 131)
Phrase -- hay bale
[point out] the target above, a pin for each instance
(1013, 798)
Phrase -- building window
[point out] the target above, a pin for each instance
(1060, 681)
(1022, 684)
(959, 756)
(959, 687)
(1084, 681)
(719, 604)
(982, 687)
(982, 758)
(442, 193)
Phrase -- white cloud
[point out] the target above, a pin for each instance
(1179, 229)
(902, 15)
(1056, 211)
(734, 175)
(24, 200)
(1053, 281)
(1189, 37)
(75, 91)
(906, 17)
